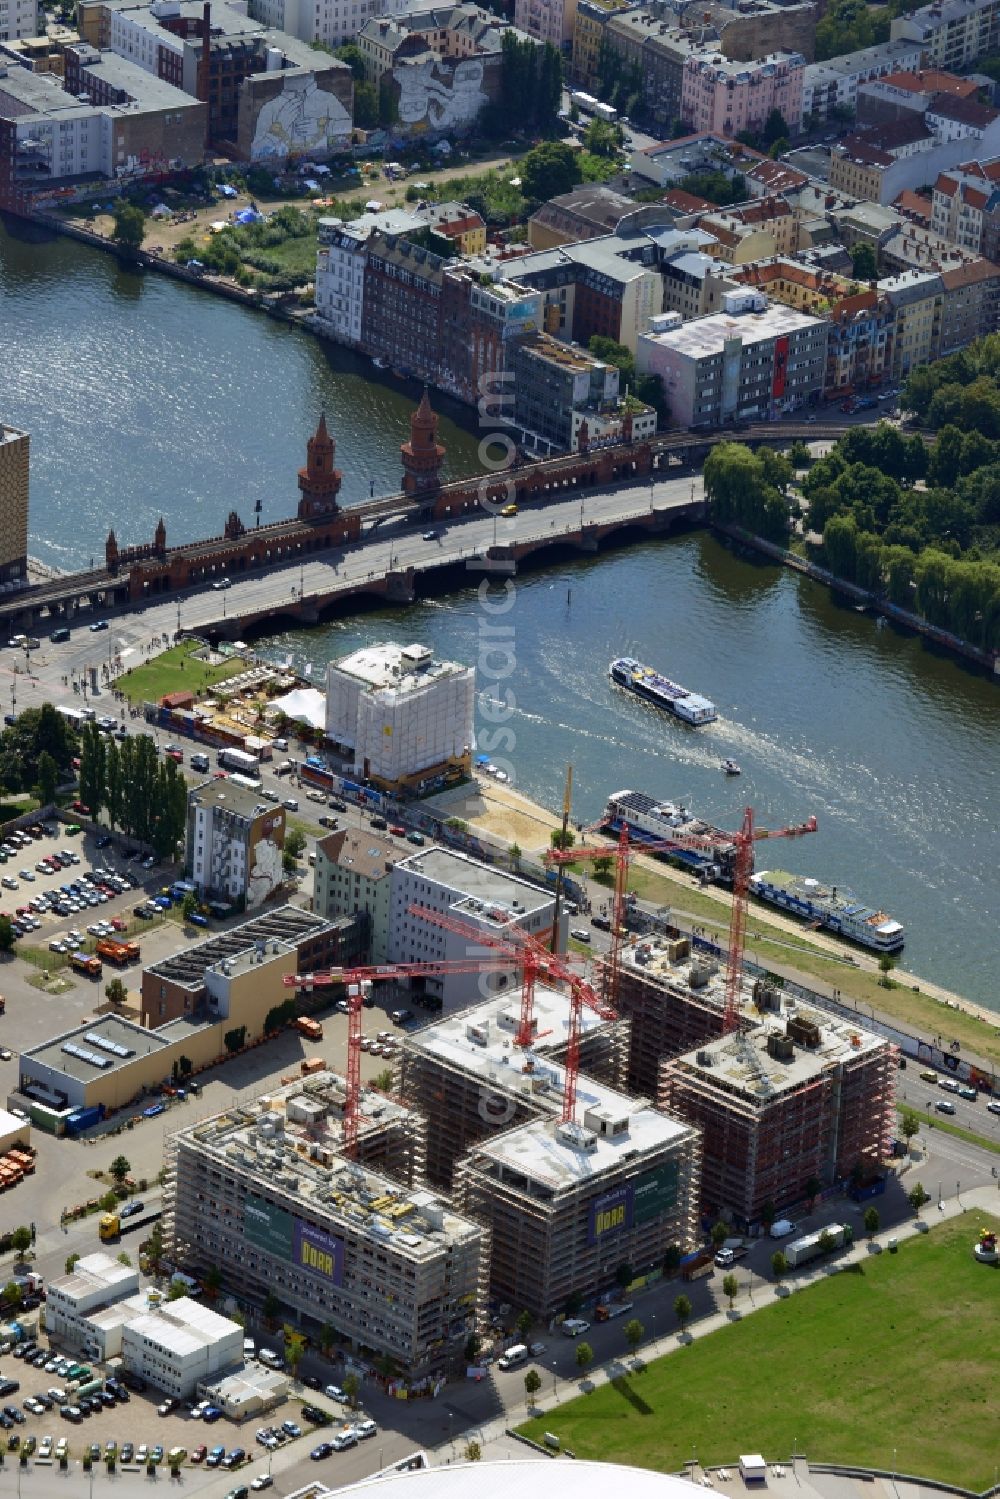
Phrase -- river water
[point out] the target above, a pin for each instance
(145, 396)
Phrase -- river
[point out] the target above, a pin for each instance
(894, 748)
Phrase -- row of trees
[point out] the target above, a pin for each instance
(749, 489)
(36, 751)
(531, 87)
(916, 525)
(137, 792)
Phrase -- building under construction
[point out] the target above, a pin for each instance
(264, 1193)
(673, 999)
(566, 1203)
(467, 1075)
(797, 1097)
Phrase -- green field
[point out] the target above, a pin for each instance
(174, 670)
(898, 1355)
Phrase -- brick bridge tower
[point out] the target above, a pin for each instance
(319, 481)
(423, 455)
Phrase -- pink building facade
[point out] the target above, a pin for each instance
(726, 97)
(546, 20)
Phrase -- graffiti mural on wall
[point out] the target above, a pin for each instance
(436, 96)
(301, 119)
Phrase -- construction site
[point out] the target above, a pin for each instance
(797, 1098)
(266, 1193)
(673, 1001)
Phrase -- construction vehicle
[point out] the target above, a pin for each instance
(82, 962)
(118, 953)
(311, 1029)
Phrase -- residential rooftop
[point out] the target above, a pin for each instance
(705, 336)
(229, 796)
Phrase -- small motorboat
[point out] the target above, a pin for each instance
(731, 768)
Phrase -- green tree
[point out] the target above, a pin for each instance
(532, 1384)
(352, 1389)
(885, 966)
(71, 1260)
(354, 58)
(48, 776)
(720, 1233)
(153, 1247)
(779, 1265)
(124, 1259)
(295, 1347)
(120, 1168)
(584, 1357)
(271, 1308)
(109, 1202)
(775, 127)
(189, 905)
(634, 1333)
(473, 1343)
(917, 1197)
(92, 752)
(549, 170)
(234, 1039)
(826, 1241)
(6, 934)
(129, 227)
(768, 1213)
(672, 1259)
(327, 1338)
(602, 138)
(871, 1222)
(909, 1125)
(113, 789)
(730, 1288)
(384, 1080)
(624, 1275)
(116, 992)
(295, 842)
(682, 1310)
(715, 186)
(524, 1324)
(20, 1239)
(213, 1280)
(863, 261)
(176, 1290)
(366, 106)
(562, 840)
(473, 1452)
(813, 1188)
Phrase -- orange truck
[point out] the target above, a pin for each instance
(311, 1029)
(311, 1065)
(82, 962)
(119, 953)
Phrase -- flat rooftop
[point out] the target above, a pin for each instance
(96, 1272)
(96, 1047)
(741, 1063)
(148, 91)
(286, 924)
(288, 1141)
(558, 1158)
(23, 92)
(480, 1041)
(479, 885)
(706, 336)
(401, 668)
(227, 796)
(183, 1327)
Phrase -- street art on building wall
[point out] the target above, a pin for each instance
(436, 96)
(302, 119)
(265, 871)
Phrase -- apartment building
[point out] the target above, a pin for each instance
(801, 1096)
(589, 25)
(748, 362)
(15, 462)
(830, 89)
(402, 296)
(235, 842)
(608, 285)
(547, 20)
(910, 90)
(266, 1195)
(971, 305)
(729, 97)
(586, 212)
(952, 34)
(340, 268)
(18, 18)
(859, 349)
(556, 386)
(966, 207)
(352, 877)
(917, 300)
(751, 232)
(480, 897)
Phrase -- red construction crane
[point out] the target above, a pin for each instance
(354, 979)
(535, 959)
(743, 840)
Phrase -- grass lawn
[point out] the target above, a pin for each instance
(172, 671)
(17, 807)
(938, 1121)
(898, 1355)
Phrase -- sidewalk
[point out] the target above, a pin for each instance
(493, 1435)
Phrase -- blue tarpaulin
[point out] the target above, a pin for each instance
(248, 216)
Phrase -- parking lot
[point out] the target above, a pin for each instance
(57, 887)
(45, 1416)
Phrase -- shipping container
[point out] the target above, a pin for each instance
(309, 1028)
(82, 1119)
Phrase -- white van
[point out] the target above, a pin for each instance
(513, 1356)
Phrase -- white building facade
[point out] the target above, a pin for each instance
(340, 269)
(19, 18)
(404, 716)
(180, 1344)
